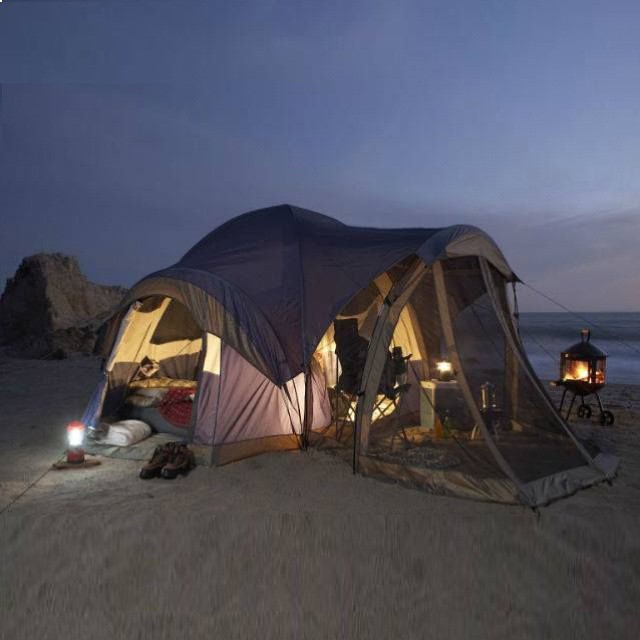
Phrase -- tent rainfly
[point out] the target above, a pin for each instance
(396, 348)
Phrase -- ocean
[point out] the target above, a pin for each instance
(554, 332)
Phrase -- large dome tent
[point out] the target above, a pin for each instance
(294, 329)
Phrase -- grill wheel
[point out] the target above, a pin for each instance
(584, 411)
(606, 418)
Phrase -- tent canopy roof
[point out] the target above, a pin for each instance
(292, 270)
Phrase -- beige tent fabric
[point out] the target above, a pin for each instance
(136, 341)
(406, 336)
(448, 482)
(212, 356)
(325, 355)
(481, 245)
(138, 334)
(171, 349)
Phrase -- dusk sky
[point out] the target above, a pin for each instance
(131, 129)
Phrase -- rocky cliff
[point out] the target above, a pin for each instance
(50, 310)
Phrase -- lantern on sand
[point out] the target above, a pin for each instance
(75, 438)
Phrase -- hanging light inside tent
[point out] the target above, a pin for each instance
(75, 437)
(445, 370)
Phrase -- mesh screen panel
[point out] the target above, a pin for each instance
(418, 427)
(523, 426)
(430, 426)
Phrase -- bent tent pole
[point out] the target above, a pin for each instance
(447, 329)
(94, 408)
(376, 355)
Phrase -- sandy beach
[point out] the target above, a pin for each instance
(293, 545)
(347, 225)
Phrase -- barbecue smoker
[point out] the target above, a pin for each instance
(583, 373)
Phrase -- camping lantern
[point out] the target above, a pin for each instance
(75, 436)
(75, 452)
(488, 396)
(583, 373)
(490, 410)
(445, 370)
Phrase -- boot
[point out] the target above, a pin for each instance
(181, 462)
(160, 457)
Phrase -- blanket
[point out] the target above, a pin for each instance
(143, 397)
(176, 406)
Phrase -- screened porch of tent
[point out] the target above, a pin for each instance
(485, 431)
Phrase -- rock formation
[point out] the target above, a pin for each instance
(50, 310)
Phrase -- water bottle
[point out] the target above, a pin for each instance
(446, 425)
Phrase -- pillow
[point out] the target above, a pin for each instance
(154, 392)
(138, 400)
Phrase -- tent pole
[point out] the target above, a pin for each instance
(199, 371)
(94, 410)
(516, 310)
(447, 329)
(513, 369)
(354, 461)
(308, 408)
(335, 396)
(386, 322)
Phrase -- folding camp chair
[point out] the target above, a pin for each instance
(351, 352)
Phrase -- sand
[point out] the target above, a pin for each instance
(293, 545)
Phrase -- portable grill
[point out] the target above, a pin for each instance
(583, 373)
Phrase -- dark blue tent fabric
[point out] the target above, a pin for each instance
(299, 268)
(248, 319)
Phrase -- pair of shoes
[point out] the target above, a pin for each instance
(182, 461)
(168, 461)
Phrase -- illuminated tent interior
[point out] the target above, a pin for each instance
(394, 348)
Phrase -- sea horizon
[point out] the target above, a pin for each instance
(546, 334)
